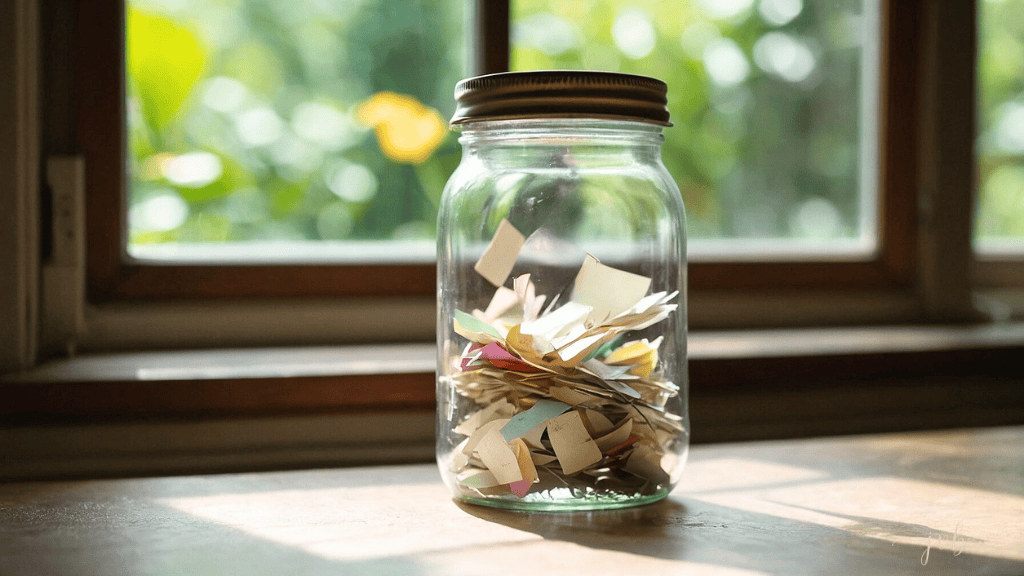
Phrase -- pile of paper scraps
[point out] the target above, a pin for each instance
(563, 400)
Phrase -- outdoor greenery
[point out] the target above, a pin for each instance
(260, 120)
(1000, 213)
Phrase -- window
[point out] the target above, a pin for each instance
(882, 285)
(925, 173)
(998, 235)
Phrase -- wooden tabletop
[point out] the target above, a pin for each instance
(923, 503)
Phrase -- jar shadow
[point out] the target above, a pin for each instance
(650, 530)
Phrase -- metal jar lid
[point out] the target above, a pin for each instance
(561, 94)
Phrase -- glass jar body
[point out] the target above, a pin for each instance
(562, 367)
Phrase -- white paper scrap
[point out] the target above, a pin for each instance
(499, 458)
(500, 256)
(608, 290)
(525, 421)
(572, 444)
(557, 323)
(502, 301)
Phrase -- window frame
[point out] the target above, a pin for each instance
(113, 277)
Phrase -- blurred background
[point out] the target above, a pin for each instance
(261, 129)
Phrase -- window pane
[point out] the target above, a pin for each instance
(999, 224)
(773, 103)
(268, 130)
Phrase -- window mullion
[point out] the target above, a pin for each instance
(490, 49)
(946, 174)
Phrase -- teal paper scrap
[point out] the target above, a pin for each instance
(525, 421)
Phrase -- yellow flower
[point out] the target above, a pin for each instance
(407, 130)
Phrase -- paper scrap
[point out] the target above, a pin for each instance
(500, 357)
(589, 405)
(604, 371)
(616, 437)
(500, 256)
(568, 395)
(572, 444)
(476, 478)
(533, 436)
(499, 458)
(640, 355)
(607, 290)
(520, 487)
(542, 459)
(503, 300)
(523, 422)
(526, 468)
(469, 327)
(482, 431)
(558, 322)
(645, 462)
(482, 416)
(597, 423)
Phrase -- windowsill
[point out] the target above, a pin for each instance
(239, 409)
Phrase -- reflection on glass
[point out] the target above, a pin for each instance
(772, 100)
(256, 126)
(999, 225)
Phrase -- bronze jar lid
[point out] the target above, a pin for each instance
(561, 94)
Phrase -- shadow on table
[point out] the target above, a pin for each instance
(709, 534)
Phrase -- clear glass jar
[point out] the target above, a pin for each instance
(562, 367)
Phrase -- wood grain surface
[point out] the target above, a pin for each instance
(922, 503)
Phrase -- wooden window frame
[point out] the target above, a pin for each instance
(112, 276)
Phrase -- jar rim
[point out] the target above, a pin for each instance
(558, 94)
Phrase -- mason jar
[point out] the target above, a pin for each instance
(561, 296)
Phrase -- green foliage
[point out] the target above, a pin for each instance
(164, 62)
(1000, 211)
(271, 95)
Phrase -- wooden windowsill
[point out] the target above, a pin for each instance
(246, 409)
(865, 505)
(274, 382)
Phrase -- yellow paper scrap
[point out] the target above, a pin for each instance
(499, 458)
(500, 256)
(572, 444)
(641, 354)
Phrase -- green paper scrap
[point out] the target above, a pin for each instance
(525, 421)
(473, 324)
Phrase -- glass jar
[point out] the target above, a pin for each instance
(561, 271)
